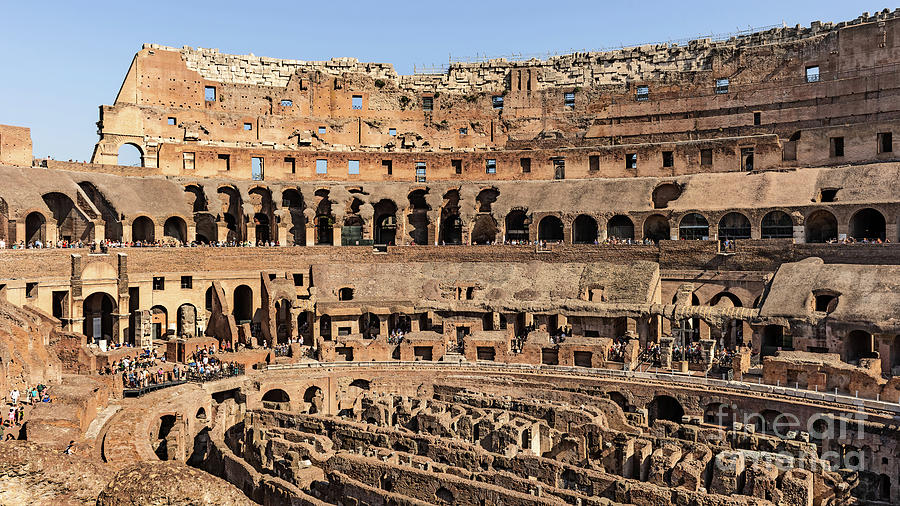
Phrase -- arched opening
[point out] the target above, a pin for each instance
(451, 225)
(243, 304)
(517, 226)
(71, 224)
(718, 413)
(385, 222)
(159, 319)
(821, 226)
(206, 232)
(867, 224)
(276, 395)
(619, 399)
(187, 321)
(176, 229)
(734, 226)
(772, 339)
(484, 230)
(130, 155)
(400, 322)
(859, 344)
(369, 325)
(362, 384)
(35, 228)
(584, 230)
(292, 200)
(693, 227)
(261, 224)
(884, 487)
(345, 293)
(112, 225)
(550, 229)
(777, 225)
(209, 298)
(283, 321)
(444, 496)
(196, 198)
(733, 331)
(232, 213)
(486, 199)
(143, 230)
(304, 331)
(665, 193)
(664, 407)
(201, 414)
(166, 424)
(314, 398)
(656, 228)
(620, 227)
(98, 320)
(418, 217)
(325, 327)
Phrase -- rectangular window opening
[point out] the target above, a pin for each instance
(630, 160)
(290, 164)
(321, 130)
(287, 103)
(392, 132)
(427, 103)
(837, 147)
(31, 290)
(886, 142)
(321, 166)
(298, 279)
(388, 166)
(457, 166)
(224, 162)
(668, 159)
(812, 74)
(188, 160)
(248, 126)
(757, 118)
(356, 102)
(559, 168)
(525, 163)
(464, 131)
(187, 282)
(209, 93)
(747, 159)
(490, 166)
(256, 168)
(706, 157)
(171, 121)
(569, 100)
(353, 167)
(159, 283)
(594, 163)
(497, 101)
(828, 194)
(642, 93)
(721, 86)
(420, 172)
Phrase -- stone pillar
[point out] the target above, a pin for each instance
(529, 319)
(624, 455)
(383, 326)
(797, 487)
(99, 230)
(708, 347)
(251, 234)
(159, 232)
(665, 352)
(311, 238)
(336, 234)
(891, 232)
(799, 234)
(191, 232)
(728, 471)
(704, 330)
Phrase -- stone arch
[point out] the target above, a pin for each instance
(325, 327)
(276, 395)
(175, 228)
(656, 228)
(70, 222)
(264, 222)
(242, 309)
(620, 227)
(111, 217)
(315, 398)
(98, 310)
(143, 230)
(777, 225)
(385, 231)
(719, 413)
(130, 155)
(232, 213)
(292, 200)
(485, 199)
(584, 229)
(418, 216)
(484, 229)
(664, 407)
(517, 226)
(206, 231)
(821, 226)
(159, 318)
(209, 298)
(451, 224)
(868, 224)
(693, 226)
(734, 226)
(35, 227)
(550, 229)
(196, 198)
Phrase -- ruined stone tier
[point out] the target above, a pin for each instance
(820, 96)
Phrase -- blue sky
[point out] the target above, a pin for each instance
(60, 60)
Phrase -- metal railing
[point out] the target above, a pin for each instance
(852, 402)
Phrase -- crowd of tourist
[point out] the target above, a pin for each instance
(17, 401)
(692, 352)
(105, 244)
(396, 336)
(617, 350)
(147, 369)
(852, 240)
